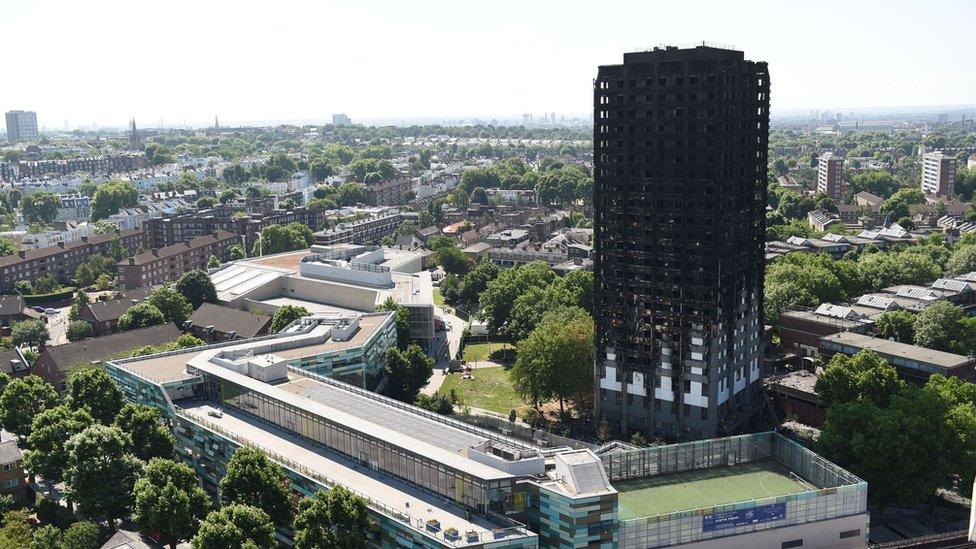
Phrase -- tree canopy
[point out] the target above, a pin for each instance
(101, 472)
(332, 519)
(111, 196)
(51, 429)
(555, 361)
(197, 288)
(253, 479)
(149, 437)
(140, 315)
(22, 400)
(92, 390)
(236, 525)
(407, 372)
(171, 303)
(168, 500)
(285, 315)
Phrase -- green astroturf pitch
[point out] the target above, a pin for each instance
(705, 488)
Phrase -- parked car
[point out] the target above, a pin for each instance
(50, 311)
(38, 308)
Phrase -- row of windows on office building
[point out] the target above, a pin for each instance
(377, 454)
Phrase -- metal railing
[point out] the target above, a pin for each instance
(402, 517)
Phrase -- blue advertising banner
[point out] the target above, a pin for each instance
(742, 517)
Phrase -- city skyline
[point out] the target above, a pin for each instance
(273, 66)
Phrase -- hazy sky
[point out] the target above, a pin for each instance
(105, 61)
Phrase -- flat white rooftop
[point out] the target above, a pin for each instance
(380, 488)
(344, 405)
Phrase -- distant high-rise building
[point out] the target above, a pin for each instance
(680, 150)
(938, 174)
(341, 119)
(830, 175)
(21, 126)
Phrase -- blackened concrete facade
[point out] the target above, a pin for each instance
(680, 152)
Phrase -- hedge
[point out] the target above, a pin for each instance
(64, 294)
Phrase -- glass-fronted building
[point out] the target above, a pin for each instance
(434, 481)
(430, 481)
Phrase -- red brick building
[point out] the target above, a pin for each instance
(171, 262)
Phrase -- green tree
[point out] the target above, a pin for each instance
(474, 284)
(169, 501)
(499, 296)
(50, 431)
(321, 168)
(962, 260)
(7, 247)
(332, 519)
(910, 196)
(478, 196)
(104, 282)
(236, 525)
(16, 531)
(101, 472)
(88, 188)
(140, 315)
(85, 275)
(402, 319)
(46, 284)
(938, 326)
(143, 424)
(206, 202)
(898, 325)
(186, 341)
(81, 535)
(895, 208)
(638, 440)
(285, 315)
(213, 262)
(197, 288)
(228, 195)
(277, 239)
(32, 333)
(24, 399)
(111, 196)
(24, 287)
(793, 205)
(453, 260)
(78, 330)
(864, 376)
(859, 434)
(252, 479)
(92, 390)
(172, 304)
(350, 194)
(40, 207)
(46, 537)
(879, 183)
(235, 252)
(555, 360)
(407, 372)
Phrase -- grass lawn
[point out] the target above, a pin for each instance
(484, 351)
(490, 389)
(438, 298)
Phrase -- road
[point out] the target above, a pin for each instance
(57, 326)
(453, 336)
